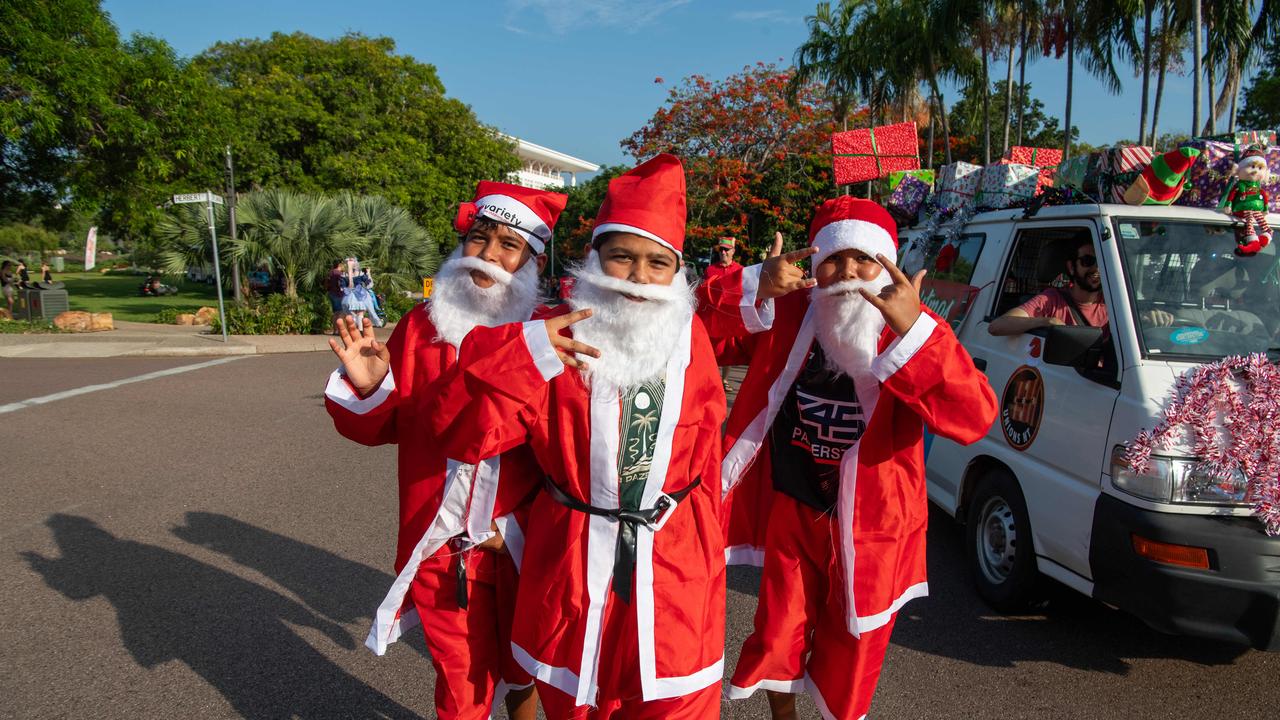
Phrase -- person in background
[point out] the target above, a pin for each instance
(8, 284)
(24, 277)
(45, 275)
(723, 260)
(333, 287)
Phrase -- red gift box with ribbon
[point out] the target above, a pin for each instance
(1047, 159)
(870, 153)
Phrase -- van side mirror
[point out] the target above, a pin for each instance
(1070, 344)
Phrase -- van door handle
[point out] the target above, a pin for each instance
(980, 363)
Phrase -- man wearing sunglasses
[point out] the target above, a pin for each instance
(1077, 304)
(722, 259)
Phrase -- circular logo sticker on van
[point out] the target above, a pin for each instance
(1189, 335)
(1021, 407)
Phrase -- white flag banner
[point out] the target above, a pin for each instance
(91, 248)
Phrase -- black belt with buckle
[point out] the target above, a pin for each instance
(624, 560)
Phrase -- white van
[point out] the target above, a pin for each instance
(1047, 491)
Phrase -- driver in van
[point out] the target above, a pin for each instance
(1080, 303)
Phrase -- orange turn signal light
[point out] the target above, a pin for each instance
(1169, 554)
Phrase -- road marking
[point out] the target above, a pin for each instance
(32, 402)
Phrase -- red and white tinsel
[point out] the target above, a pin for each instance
(1230, 409)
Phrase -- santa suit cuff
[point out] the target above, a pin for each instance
(756, 318)
(541, 350)
(903, 348)
(512, 537)
(341, 391)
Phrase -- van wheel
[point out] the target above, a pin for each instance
(999, 549)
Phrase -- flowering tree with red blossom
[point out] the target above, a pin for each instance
(1228, 410)
(754, 162)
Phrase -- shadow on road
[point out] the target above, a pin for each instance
(232, 632)
(1067, 628)
(340, 589)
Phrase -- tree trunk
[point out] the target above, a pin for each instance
(1008, 101)
(942, 112)
(1163, 60)
(1211, 126)
(986, 107)
(1022, 76)
(1071, 61)
(1148, 10)
(929, 160)
(1196, 52)
(1235, 94)
(1230, 87)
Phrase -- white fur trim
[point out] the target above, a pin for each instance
(541, 350)
(507, 209)
(853, 235)
(512, 537)
(756, 319)
(621, 227)
(562, 679)
(783, 686)
(820, 701)
(903, 348)
(672, 687)
(744, 555)
(341, 392)
(871, 622)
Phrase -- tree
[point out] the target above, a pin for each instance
(1262, 97)
(573, 230)
(22, 239)
(1041, 130)
(831, 56)
(350, 114)
(392, 243)
(754, 162)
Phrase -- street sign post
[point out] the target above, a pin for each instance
(209, 199)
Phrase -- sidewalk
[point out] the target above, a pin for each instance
(150, 340)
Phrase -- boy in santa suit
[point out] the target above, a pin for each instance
(620, 611)
(456, 575)
(824, 468)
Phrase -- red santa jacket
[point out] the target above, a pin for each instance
(923, 378)
(440, 497)
(510, 389)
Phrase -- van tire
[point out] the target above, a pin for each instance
(998, 543)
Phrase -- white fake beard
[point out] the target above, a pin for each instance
(635, 339)
(849, 327)
(458, 304)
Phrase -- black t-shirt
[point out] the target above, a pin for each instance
(820, 418)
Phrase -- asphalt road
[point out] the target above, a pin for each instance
(204, 545)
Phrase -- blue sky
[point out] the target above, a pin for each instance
(578, 75)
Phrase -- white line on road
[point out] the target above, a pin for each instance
(32, 402)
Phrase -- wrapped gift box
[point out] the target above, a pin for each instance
(1207, 179)
(1079, 173)
(1047, 159)
(1118, 167)
(870, 153)
(958, 185)
(906, 199)
(1244, 138)
(895, 177)
(1008, 184)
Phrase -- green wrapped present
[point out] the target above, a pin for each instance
(895, 177)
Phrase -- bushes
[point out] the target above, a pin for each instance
(396, 305)
(169, 315)
(277, 315)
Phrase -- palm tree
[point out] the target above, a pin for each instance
(829, 56)
(301, 236)
(1148, 11)
(183, 233)
(1233, 41)
(392, 243)
(1175, 16)
(1197, 30)
(1094, 30)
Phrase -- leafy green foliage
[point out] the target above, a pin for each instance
(1262, 97)
(1039, 129)
(276, 315)
(573, 230)
(23, 239)
(349, 114)
(395, 305)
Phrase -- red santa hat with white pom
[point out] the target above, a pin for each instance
(647, 200)
(847, 223)
(531, 213)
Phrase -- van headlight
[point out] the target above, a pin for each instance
(1177, 480)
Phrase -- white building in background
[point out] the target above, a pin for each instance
(544, 168)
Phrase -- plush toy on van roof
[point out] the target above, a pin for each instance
(1162, 182)
(1246, 200)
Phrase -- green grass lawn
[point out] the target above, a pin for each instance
(117, 294)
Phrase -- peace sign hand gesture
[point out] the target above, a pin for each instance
(779, 274)
(566, 347)
(365, 360)
(899, 302)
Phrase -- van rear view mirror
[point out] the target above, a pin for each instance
(1069, 344)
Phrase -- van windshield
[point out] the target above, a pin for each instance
(1194, 297)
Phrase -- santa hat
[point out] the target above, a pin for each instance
(531, 213)
(647, 200)
(1253, 156)
(847, 223)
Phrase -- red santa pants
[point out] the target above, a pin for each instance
(619, 695)
(471, 648)
(801, 641)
